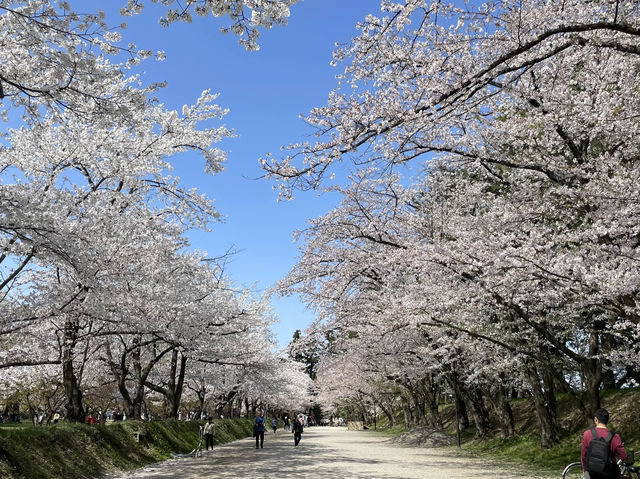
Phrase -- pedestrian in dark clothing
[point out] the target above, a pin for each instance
(297, 430)
(258, 429)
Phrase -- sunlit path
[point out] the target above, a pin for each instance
(326, 453)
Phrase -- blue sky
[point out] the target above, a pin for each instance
(265, 92)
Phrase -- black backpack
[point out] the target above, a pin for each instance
(598, 452)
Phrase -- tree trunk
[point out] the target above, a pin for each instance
(459, 395)
(74, 406)
(504, 413)
(417, 400)
(225, 400)
(433, 401)
(201, 392)
(435, 420)
(73, 393)
(134, 400)
(608, 378)
(463, 417)
(545, 416)
(175, 385)
(388, 411)
(479, 412)
(139, 380)
(406, 412)
(592, 373)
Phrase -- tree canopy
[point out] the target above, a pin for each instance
(487, 241)
(101, 295)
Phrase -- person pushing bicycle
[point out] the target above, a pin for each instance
(600, 447)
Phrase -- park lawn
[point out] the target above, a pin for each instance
(79, 451)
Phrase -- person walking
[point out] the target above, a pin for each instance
(599, 449)
(274, 425)
(258, 429)
(209, 433)
(298, 427)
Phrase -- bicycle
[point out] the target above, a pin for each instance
(197, 452)
(627, 470)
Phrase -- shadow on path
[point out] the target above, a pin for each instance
(324, 453)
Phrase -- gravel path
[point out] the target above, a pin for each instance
(325, 453)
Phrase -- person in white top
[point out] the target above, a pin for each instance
(209, 432)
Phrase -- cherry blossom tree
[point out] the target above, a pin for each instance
(54, 56)
(417, 261)
(511, 226)
(92, 227)
(246, 16)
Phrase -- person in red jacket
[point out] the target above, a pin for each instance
(616, 447)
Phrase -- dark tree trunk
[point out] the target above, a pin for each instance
(73, 393)
(504, 413)
(388, 411)
(459, 395)
(544, 411)
(74, 406)
(479, 412)
(135, 407)
(237, 408)
(608, 378)
(176, 386)
(433, 401)
(435, 420)
(201, 392)
(133, 400)
(592, 373)
(417, 401)
(406, 412)
(225, 400)
(463, 417)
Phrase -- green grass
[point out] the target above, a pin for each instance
(525, 450)
(383, 426)
(79, 451)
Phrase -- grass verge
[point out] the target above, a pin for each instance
(524, 449)
(82, 451)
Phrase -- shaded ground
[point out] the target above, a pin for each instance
(424, 437)
(326, 453)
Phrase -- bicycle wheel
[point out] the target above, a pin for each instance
(572, 471)
(630, 474)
